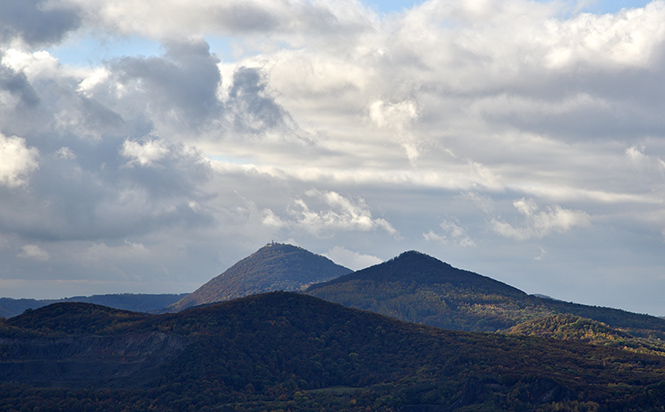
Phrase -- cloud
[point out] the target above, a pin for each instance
(14, 86)
(17, 161)
(350, 259)
(335, 213)
(642, 161)
(397, 117)
(144, 154)
(36, 22)
(88, 192)
(34, 252)
(178, 88)
(540, 224)
(452, 233)
(251, 109)
(173, 19)
(329, 124)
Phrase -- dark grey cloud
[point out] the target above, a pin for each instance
(51, 113)
(247, 18)
(253, 109)
(34, 23)
(87, 186)
(180, 87)
(92, 191)
(592, 104)
(17, 84)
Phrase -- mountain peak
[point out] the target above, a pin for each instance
(414, 266)
(414, 256)
(275, 266)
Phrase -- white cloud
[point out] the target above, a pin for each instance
(33, 252)
(452, 233)
(103, 253)
(66, 153)
(271, 219)
(350, 259)
(17, 161)
(627, 38)
(643, 161)
(397, 117)
(144, 154)
(540, 224)
(39, 65)
(328, 212)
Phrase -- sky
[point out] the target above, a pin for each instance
(147, 147)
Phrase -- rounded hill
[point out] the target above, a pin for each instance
(275, 266)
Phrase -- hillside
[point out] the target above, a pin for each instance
(65, 319)
(126, 301)
(419, 288)
(296, 352)
(274, 267)
(571, 327)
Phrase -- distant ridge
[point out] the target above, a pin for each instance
(276, 266)
(419, 288)
(126, 301)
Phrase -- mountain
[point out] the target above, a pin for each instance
(274, 267)
(127, 301)
(419, 288)
(288, 351)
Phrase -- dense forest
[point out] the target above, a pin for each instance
(287, 351)
(418, 288)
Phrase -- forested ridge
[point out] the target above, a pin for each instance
(295, 352)
(418, 288)
(137, 302)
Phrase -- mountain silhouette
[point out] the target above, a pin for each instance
(275, 266)
(417, 267)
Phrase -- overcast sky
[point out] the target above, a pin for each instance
(145, 147)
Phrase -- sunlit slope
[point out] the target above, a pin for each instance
(274, 267)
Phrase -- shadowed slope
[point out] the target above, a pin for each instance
(290, 351)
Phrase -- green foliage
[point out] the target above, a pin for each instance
(418, 288)
(567, 327)
(436, 304)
